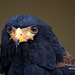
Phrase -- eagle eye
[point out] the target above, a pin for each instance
(34, 29)
(9, 29)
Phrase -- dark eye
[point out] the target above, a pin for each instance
(34, 29)
(9, 29)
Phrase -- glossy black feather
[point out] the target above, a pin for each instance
(35, 57)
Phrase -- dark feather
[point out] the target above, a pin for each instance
(35, 57)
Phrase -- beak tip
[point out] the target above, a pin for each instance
(16, 42)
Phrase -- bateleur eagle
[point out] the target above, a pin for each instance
(29, 47)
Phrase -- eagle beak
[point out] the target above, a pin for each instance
(16, 42)
(21, 36)
(18, 37)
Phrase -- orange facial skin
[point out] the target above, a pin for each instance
(23, 35)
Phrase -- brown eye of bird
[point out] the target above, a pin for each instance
(34, 29)
(9, 29)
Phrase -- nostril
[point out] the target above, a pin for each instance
(20, 34)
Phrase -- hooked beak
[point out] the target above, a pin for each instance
(22, 36)
(16, 42)
(18, 33)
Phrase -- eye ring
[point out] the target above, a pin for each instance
(9, 29)
(34, 29)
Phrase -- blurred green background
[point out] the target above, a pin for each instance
(60, 15)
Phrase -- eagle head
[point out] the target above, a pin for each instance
(32, 40)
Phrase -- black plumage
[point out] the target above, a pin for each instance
(34, 57)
